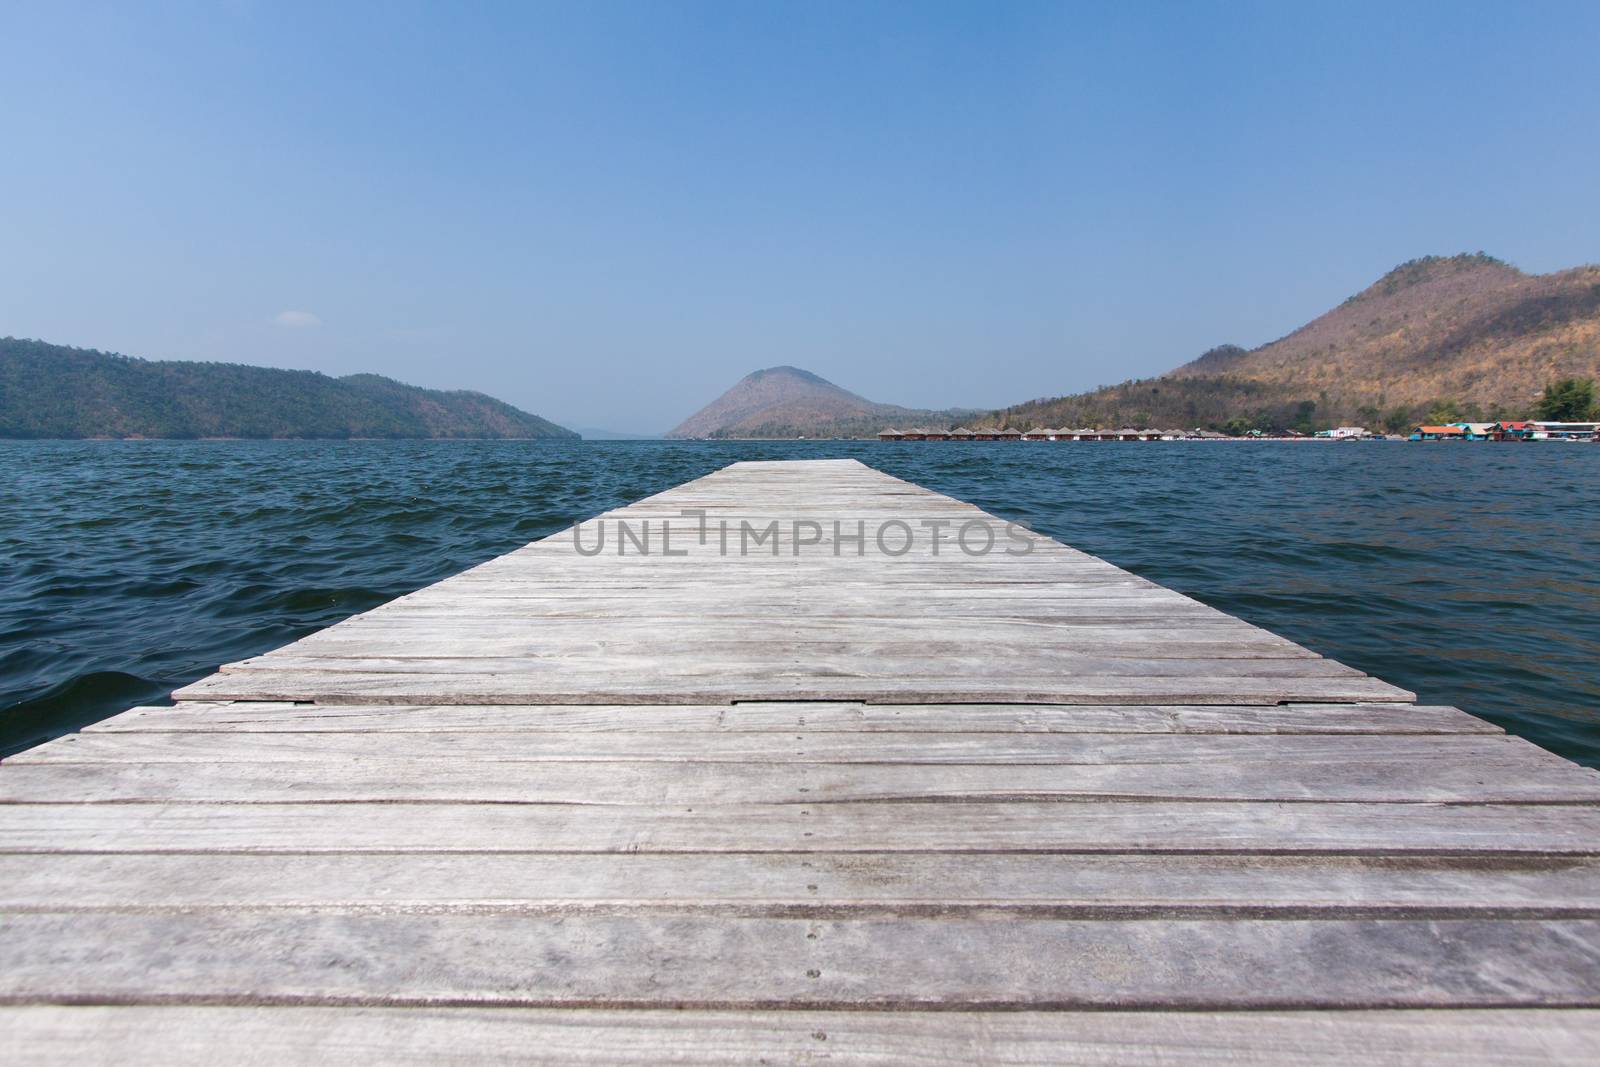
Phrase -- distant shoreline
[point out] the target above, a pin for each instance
(1177, 441)
(386, 440)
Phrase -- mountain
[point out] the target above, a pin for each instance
(1438, 337)
(789, 402)
(54, 391)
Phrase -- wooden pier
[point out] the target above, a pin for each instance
(815, 800)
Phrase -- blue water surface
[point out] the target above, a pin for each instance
(1464, 572)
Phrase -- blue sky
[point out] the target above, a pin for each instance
(608, 212)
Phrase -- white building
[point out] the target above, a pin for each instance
(1564, 431)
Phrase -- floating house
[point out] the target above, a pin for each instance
(1516, 430)
(1008, 435)
(1564, 431)
(961, 433)
(1438, 433)
(891, 434)
(1037, 434)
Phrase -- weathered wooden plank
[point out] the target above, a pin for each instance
(719, 961)
(382, 623)
(379, 624)
(1012, 749)
(701, 575)
(1042, 664)
(527, 611)
(814, 884)
(970, 826)
(1503, 778)
(186, 1036)
(690, 685)
(496, 651)
(266, 717)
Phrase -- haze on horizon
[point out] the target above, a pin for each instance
(607, 214)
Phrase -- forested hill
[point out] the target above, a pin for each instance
(55, 391)
(788, 402)
(1436, 339)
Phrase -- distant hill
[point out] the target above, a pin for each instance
(1439, 337)
(54, 391)
(787, 402)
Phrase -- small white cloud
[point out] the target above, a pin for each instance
(297, 320)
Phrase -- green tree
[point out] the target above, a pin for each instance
(1444, 412)
(1302, 418)
(1399, 420)
(1569, 400)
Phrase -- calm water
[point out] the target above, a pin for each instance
(1466, 573)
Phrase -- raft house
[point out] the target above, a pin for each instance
(1517, 430)
(1041, 433)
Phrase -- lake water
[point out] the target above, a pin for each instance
(1464, 572)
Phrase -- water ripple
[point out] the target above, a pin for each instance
(1464, 573)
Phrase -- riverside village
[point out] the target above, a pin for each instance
(1521, 430)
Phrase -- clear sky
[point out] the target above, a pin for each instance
(608, 212)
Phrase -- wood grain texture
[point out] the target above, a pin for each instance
(812, 883)
(181, 1036)
(1502, 778)
(679, 681)
(867, 827)
(814, 717)
(720, 961)
(547, 624)
(1014, 749)
(965, 797)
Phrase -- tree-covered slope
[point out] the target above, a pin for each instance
(787, 402)
(54, 391)
(1439, 337)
